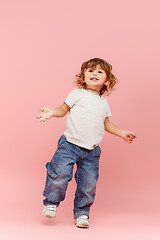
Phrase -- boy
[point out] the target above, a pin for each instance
(88, 118)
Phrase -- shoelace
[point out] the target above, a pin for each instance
(83, 217)
(51, 208)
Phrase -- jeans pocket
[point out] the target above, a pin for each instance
(51, 170)
(61, 142)
(97, 151)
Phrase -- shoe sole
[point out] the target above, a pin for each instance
(48, 216)
(82, 226)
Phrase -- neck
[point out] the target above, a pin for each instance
(93, 90)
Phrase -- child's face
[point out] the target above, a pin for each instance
(96, 78)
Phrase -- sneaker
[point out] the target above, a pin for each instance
(82, 221)
(49, 211)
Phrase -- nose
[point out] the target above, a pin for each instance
(94, 73)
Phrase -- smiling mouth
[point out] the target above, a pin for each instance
(94, 79)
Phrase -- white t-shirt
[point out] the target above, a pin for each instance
(85, 120)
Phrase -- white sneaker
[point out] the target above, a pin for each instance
(49, 211)
(82, 221)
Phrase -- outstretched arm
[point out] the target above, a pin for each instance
(128, 136)
(47, 113)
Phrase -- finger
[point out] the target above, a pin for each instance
(42, 119)
(131, 140)
(131, 137)
(132, 134)
(127, 140)
(42, 109)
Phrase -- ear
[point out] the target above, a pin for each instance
(106, 83)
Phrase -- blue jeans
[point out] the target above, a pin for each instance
(60, 172)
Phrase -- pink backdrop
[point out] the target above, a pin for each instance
(42, 46)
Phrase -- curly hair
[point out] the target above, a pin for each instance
(92, 63)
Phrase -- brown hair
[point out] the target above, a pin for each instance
(111, 79)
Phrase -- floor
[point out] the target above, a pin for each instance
(113, 226)
(21, 217)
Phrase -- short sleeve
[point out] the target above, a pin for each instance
(72, 97)
(108, 111)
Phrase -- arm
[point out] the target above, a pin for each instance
(128, 136)
(56, 112)
(61, 111)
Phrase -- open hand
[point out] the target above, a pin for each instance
(46, 113)
(128, 136)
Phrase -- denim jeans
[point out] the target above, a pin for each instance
(60, 172)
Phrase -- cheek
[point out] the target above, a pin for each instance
(105, 78)
(87, 77)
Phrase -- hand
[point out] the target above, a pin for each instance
(46, 114)
(128, 136)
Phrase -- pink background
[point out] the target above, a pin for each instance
(42, 46)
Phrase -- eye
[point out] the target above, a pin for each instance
(100, 71)
(89, 70)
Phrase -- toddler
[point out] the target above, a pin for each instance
(88, 118)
